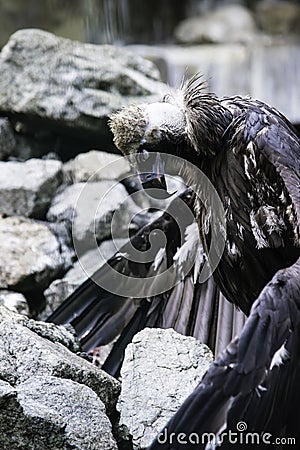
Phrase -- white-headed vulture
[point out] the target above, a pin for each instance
(251, 155)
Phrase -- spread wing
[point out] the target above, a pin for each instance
(197, 309)
(249, 373)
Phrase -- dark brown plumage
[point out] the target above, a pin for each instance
(251, 154)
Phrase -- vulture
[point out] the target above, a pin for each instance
(250, 153)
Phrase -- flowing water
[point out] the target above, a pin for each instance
(268, 70)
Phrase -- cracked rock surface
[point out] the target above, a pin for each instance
(178, 362)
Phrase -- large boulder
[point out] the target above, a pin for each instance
(30, 254)
(50, 397)
(30, 348)
(179, 363)
(89, 209)
(47, 412)
(71, 87)
(27, 188)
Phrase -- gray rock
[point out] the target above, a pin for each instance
(60, 289)
(24, 354)
(26, 188)
(7, 139)
(231, 23)
(89, 209)
(14, 301)
(161, 368)
(30, 254)
(279, 17)
(69, 86)
(95, 166)
(45, 412)
(54, 333)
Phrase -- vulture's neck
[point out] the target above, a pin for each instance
(207, 120)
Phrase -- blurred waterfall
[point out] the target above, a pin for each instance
(107, 21)
(267, 71)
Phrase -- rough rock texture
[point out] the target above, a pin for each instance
(7, 139)
(95, 166)
(14, 301)
(47, 413)
(280, 17)
(26, 188)
(231, 23)
(89, 209)
(68, 85)
(161, 368)
(29, 348)
(64, 335)
(60, 289)
(30, 254)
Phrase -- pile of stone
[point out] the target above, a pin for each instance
(53, 210)
(54, 89)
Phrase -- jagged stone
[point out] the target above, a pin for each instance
(96, 165)
(89, 209)
(29, 348)
(68, 86)
(26, 188)
(46, 412)
(146, 404)
(30, 254)
(64, 335)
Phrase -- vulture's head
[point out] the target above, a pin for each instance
(142, 132)
(185, 124)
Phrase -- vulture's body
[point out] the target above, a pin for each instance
(251, 154)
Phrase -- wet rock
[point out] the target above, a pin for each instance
(96, 166)
(7, 139)
(94, 211)
(30, 254)
(26, 188)
(278, 17)
(14, 301)
(47, 412)
(71, 87)
(25, 353)
(231, 23)
(179, 362)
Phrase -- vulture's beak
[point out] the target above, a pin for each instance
(154, 181)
